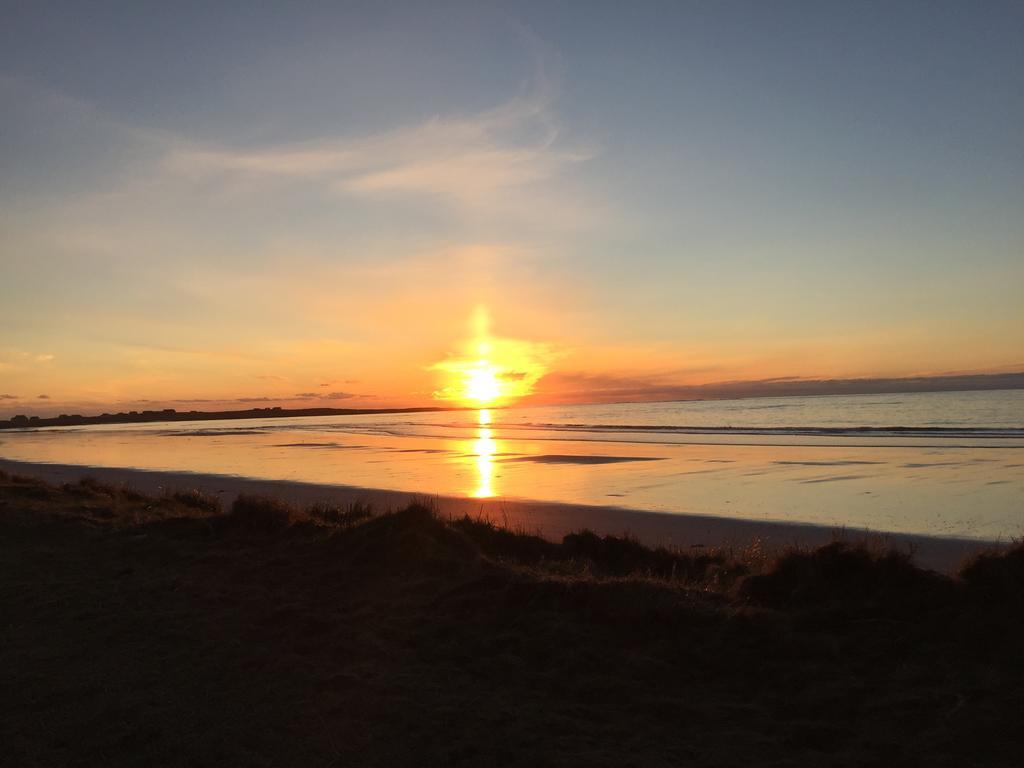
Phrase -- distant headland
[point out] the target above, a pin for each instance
(170, 414)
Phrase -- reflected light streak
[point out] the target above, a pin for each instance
(484, 448)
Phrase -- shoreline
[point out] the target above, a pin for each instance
(552, 520)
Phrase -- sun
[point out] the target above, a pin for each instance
(491, 371)
(482, 385)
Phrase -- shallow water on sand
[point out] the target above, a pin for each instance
(947, 464)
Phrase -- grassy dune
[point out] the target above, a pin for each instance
(140, 630)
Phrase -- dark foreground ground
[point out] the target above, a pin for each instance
(143, 631)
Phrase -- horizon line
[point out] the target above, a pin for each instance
(726, 390)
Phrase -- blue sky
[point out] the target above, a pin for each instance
(214, 203)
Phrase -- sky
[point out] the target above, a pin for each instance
(213, 205)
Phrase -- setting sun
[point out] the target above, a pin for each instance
(491, 371)
(482, 384)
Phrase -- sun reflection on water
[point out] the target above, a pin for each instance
(484, 449)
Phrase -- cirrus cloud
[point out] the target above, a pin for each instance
(468, 160)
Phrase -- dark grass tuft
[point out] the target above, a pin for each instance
(263, 515)
(197, 500)
(507, 544)
(850, 577)
(625, 556)
(341, 515)
(413, 539)
(29, 487)
(603, 556)
(130, 493)
(90, 486)
(995, 577)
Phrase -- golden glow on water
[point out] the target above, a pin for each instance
(484, 448)
(491, 371)
(931, 487)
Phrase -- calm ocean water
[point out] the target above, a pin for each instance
(947, 463)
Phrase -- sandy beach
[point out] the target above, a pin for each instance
(550, 520)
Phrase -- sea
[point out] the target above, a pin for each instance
(940, 463)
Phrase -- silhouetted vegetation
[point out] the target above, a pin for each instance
(161, 630)
(262, 515)
(341, 515)
(196, 499)
(996, 578)
(851, 577)
(501, 542)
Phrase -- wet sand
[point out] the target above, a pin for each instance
(551, 520)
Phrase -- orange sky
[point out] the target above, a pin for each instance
(413, 363)
(313, 218)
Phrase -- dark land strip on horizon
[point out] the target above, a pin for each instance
(170, 414)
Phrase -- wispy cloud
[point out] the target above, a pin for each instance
(465, 159)
(18, 359)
